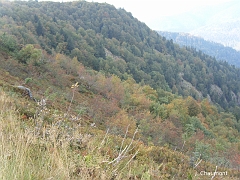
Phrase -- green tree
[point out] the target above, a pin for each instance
(99, 49)
(30, 55)
(158, 110)
(39, 29)
(8, 43)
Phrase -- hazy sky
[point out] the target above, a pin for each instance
(151, 11)
(148, 11)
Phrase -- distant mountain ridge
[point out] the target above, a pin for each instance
(220, 23)
(226, 33)
(223, 27)
(217, 50)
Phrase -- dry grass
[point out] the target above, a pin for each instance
(57, 151)
(65, 151)
(17, 146)
(30, 153)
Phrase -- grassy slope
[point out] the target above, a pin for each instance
(41, 142)
(32, 150)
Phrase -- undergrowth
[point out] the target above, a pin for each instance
(31, 148)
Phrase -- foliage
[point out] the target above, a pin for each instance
(63, 151)
(129, 89)
(112, 40)
(219, 51)
(30, 55)
(8, 43)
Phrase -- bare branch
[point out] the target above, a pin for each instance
(128, 161)
(131, 141)
(104, 139)
(124, 138)
(122, 153)
(197, 163)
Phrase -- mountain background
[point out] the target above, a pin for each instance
(217, 50)
(113, 99)
(219, 24)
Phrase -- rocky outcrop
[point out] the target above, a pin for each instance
(26, 91)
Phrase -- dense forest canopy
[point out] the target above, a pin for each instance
(87, 30)
(219, 51)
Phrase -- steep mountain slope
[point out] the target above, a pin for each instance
(85, 30)
(65, 150)
(96, 117)
(218, 23)
(216, 50)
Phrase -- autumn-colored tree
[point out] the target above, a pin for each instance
(120, 122)
(178, 105)
(109, 87)
(207, 108)
(135, 97)
(193, 107)
(150, 92)
(71, 66)
(101, 109)
(171, 134)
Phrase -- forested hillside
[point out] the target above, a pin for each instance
(89, 30)
(113, 99)
(220, 52)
